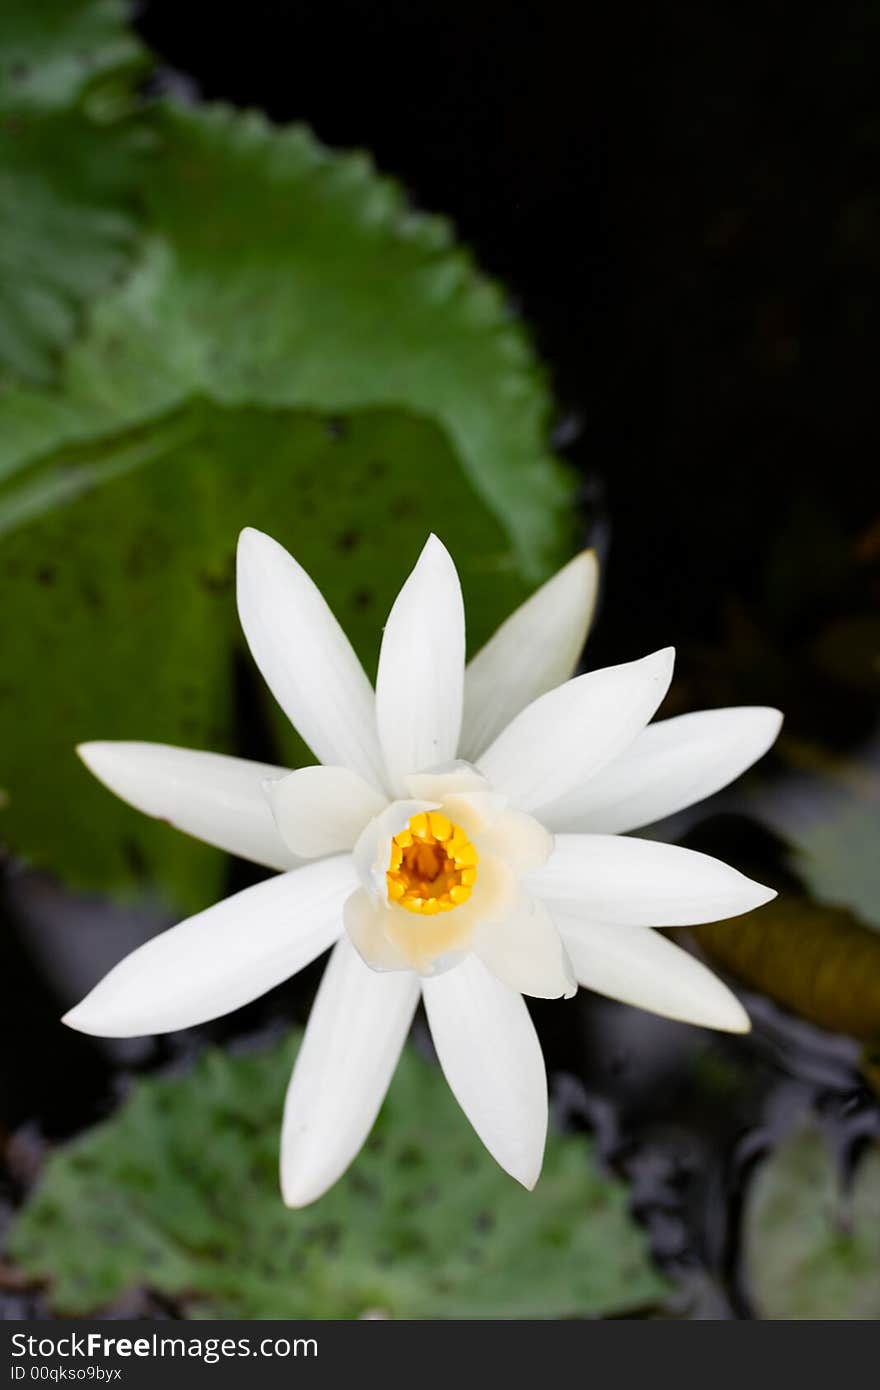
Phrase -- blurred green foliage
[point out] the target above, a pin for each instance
(179, 1193)
(59, 51)
(829, 807)
(812, 1248)
(287, 345)
(70, 155)
(276, 273)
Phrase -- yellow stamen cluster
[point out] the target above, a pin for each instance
(433, 865)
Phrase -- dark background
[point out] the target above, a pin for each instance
(682, 200)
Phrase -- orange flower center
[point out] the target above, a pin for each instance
(433, 865)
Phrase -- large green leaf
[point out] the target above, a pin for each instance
(281, 274)
(812, 1250)
(68, 233)
(180, 1192)
(69, 159)
(54, 51)
(124, 619)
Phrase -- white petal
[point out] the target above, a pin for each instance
(421, 669)
(219, 800)
(223, 957)
(526, 952)
(305, 658)
(356, 1030)
(643, 968)
(536, 649)
(671, 764)
(489, 1051)
(567, 735)
(613, 878)
(321, 810)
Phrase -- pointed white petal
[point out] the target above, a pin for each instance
(535, 650)
(490, 1055)
(305, 658)
(643, 968)
(564, 737)
(355, 1033)
(223, 957)
(421, 669)
(219, 800)
(321, 810)
(613, 878)
(526, 952)
(671, 764)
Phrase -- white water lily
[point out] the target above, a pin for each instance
(463, 841)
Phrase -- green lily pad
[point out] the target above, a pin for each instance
(69, 161)
(68, 234)
(118, 567)
(812, 1250)
(53, 51)
(828, 807)
(179, 1192)
(277, 273)
(838, 856)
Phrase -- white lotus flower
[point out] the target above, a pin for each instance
(463, 842)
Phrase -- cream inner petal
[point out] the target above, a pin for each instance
(372, 852)
(389, 937)
(508, 844)
(443, 781)
(322, 810)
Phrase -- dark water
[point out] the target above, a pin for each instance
(683, 203)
